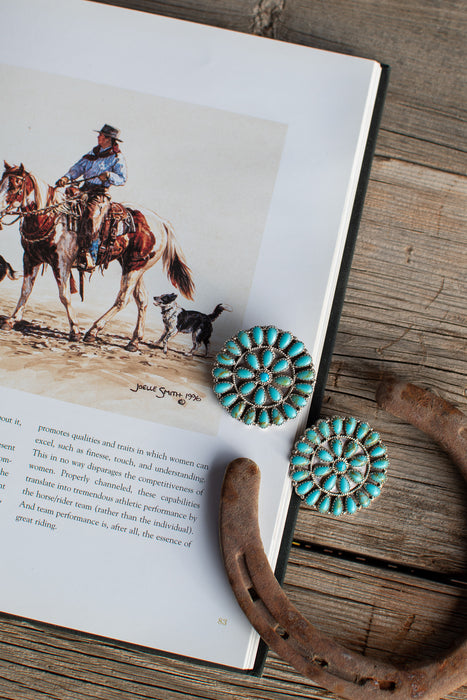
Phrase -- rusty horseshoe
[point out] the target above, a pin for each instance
(318, 657)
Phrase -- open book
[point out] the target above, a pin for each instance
(247, 158)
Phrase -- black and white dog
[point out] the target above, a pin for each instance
(178, 320)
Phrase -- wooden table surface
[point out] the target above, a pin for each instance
(391, 582)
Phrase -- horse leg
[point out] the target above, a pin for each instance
(26, 289)
(65, 297)
(127, 286)
(141, 297)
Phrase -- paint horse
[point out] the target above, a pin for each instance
(47, 238)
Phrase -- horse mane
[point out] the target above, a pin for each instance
(41, 191)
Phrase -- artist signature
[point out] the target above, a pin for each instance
(161, 392)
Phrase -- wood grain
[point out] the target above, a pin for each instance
(392, 582)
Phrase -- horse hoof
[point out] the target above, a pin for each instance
(132, 347)
(7, 325)
(90, 337)
(74, 336)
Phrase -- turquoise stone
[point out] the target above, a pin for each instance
(260, 396)
(247, 388)
(264, 377)
(330, 482)
(337, 446)
(312, 436)
(271, 335)
(233, 348)
(357, 477)
(324, 428)
(284, 340)
(350, 425)
(337, 507)
(300, 475)
(280, 365)
(304, 388)
(298, 401)
(257, 333)
(267, 358)
(350, 505)
(289, 410)
(340, 466)
(222, 387)
(362, 430)
(303, 361)
(283, 380)
(303, 489)
(304, 448)
(358, 461)
(237, 410)
(244, 373)
(224, 359)
(337, 425)
(221, 373)
(306, 375)
(274, 394)
(244, 339)
(324, 456)
(344, 486)
(299, 461)
(321, 470)
(379, 477)
(380, 464)
(325, 504)
(277, 417)
(228, 400)
(249, 416)
(350, 449)
(252, 360)
(313, 497)
(263, 419)
(364, 500)
(372, 439)
(295, 349)
(378, 451)
(372, 489)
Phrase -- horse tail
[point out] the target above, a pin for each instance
(175, 265)
(218, 310)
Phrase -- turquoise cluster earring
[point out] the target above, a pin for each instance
(339, 465)
(263, 376)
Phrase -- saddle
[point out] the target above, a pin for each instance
(117, 225)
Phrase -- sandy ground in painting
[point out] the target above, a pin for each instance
(37, 357)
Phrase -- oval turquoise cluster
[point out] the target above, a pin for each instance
(263, 376)
(339, 465)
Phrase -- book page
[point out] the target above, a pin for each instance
(111, 460)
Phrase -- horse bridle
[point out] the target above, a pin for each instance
(16, 212)
(318, 657)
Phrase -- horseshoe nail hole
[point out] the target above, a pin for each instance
(282, 632)
(253, 594)
(320, 662)
(387, 685)
(381, 684)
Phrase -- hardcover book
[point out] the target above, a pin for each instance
(165, 185)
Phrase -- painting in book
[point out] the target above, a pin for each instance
(130, 235)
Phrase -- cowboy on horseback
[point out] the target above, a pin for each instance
(102, 167)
